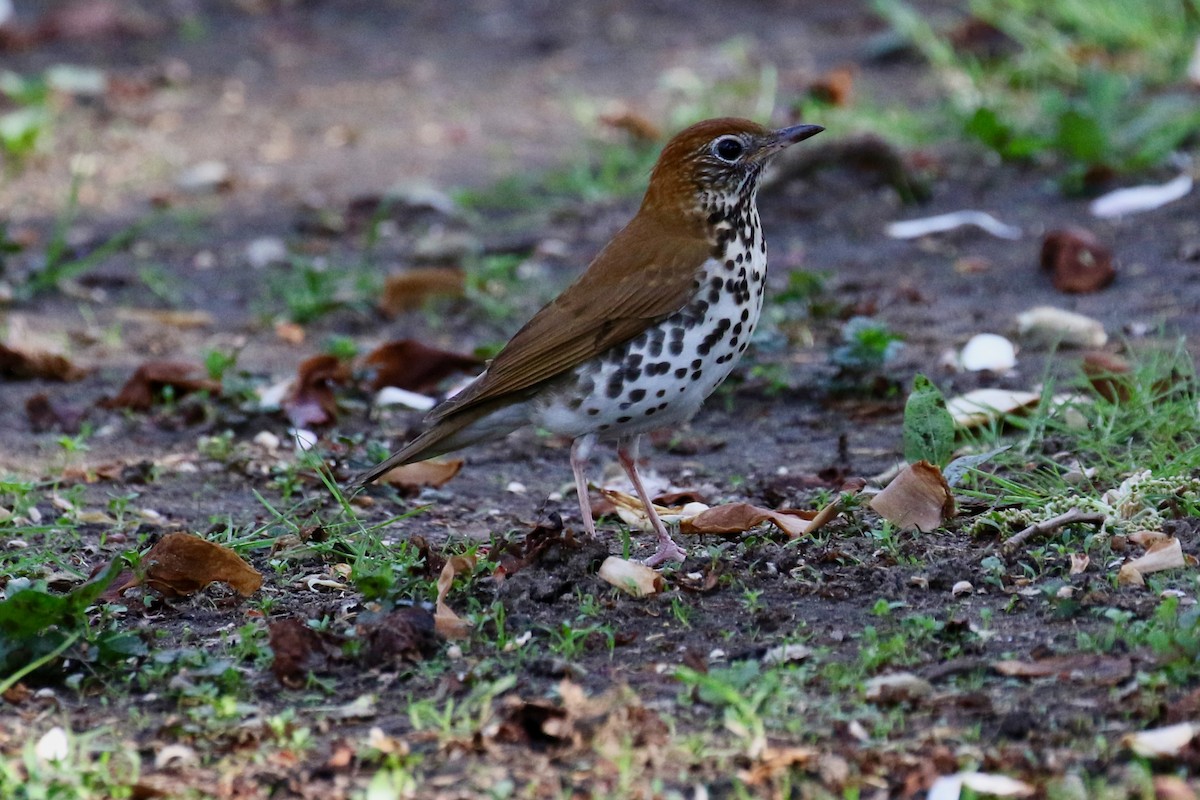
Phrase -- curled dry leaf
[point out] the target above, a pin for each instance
(170, 318)
(413, 477)
(445, 621)
(775, 761)
(949, 787)
(1109, 375)
(638, 126)
(835, 86)
(407, 635)
(299, 650)
(1166, 742)
(918, 497)
(23, 363)
(1077, 261)
(631, 576)
(181, 564)
(415, 366)
(150, 380)
(741, 517)
(1079, 563)
(915, 228)
(1085, 667)
(981, 406)
(408, 290)
(311, 401)
(1161, 556)
(1056, 326)
(1137, 199)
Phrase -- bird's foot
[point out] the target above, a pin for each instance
(667, 551)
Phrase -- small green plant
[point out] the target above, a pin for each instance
(22, 130)
(867, 345)
(928, 426)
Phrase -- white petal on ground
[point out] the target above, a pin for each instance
(395, 396)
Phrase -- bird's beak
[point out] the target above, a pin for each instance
(785, 137)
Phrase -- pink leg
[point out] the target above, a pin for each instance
(627, 454)
(580, 450)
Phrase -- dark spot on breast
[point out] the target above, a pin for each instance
(593, 412)
(650, 411)
(730, 265)
(737, 329)
(625, 406)
(714, 218)
(633, 360)
(604, 427)
(637, 395)
(745, 314)
(575, 403)
(681, 373)
(742, 347)
(714, 296)
(623, 420)
(640, 341)
(661, 406)
(615, 384)
(696, 375)
(661, 393)
(632, 374)
(733, 341)
(697, 364)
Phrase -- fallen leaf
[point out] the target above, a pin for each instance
(414, 477)
(184, 320)
(1172, 787)
(898, 687)
(1167, 742)
(299, 650)
(639, 127)
(45, 415)
(834, 87)
(289, 332)
(981, 406)
(311, 400)
(1086, 667)
(408, 290)
(148, 383)
(407, 635)
(1076, 260)
(915, 228)
(633, 577)
(446, 622)
(1051, 326)
(741, 517)
(775, 761)
(1136, 199)
(23, 363)
(988, 351)
(918, 497)
(181, 564)
(1109, 374)
(949, 787)
(1160, 556)
(417, 367)
(1079, 563)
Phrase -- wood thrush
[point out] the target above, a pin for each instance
(648, 331)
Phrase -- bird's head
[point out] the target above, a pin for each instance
(716, 160)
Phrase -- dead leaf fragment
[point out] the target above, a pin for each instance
(1079, 563)
(1077, 261)
(171, 318)
(1084, 667)
(741, 517)
(1109, 375)
(416, 367)
(981, 406)
(24, 363)
(898, 687)
(918, 497)
(408, 290)
(407, 635)
(949, 787)
(639, 127)
(1160, 556)
(148, 383)
(1049, 325)
(414, 477)
(181, 564)
(446, 622)
(834, 87)
(1166, 742)
(311, 400)
(299, 650)
(631, 576)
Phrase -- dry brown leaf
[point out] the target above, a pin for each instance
(445, 621)
(145, 387)
(631, 576)
(1088, 667)
(1147, 539)
(25, 363)
(299, 650)
(1077, 261)
(775, 761)
(918, 497)
(741, 517)
(415, 366)
(1079, 563)
(835, 86)
(639, 127)
(289, 332)
(406, 635)
(1109, 375)
(408, 290)
(1160, 556)
(181, 564)
(184, 320)
(311, 401)
(46, 415)
(413, 477)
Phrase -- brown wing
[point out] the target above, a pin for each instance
(638, 278)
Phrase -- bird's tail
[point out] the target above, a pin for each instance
(471, 425)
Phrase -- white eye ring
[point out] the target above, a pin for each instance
(729, 149)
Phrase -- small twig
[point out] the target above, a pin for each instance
(1049, 526)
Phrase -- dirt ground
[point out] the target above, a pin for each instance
(310, 105)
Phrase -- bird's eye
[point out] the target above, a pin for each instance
(729, 148)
